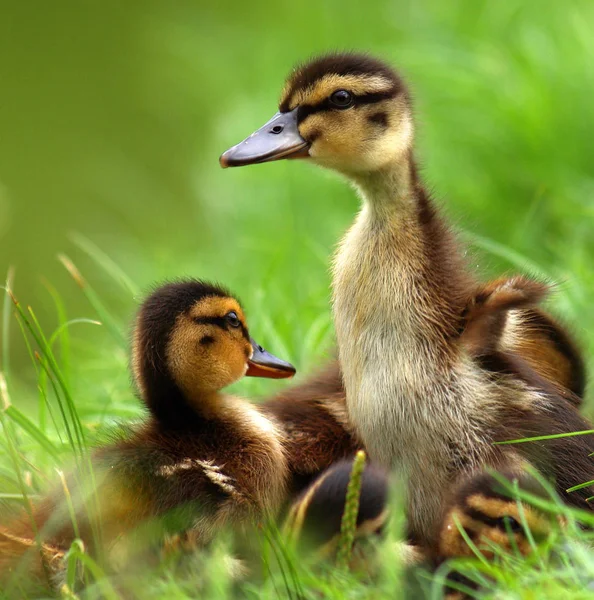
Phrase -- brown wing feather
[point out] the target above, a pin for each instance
(504, 315)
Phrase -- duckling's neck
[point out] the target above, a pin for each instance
(173, 408)
(399, 286)
(389, 193)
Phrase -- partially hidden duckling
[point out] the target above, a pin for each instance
(201, 460)
(315, 519)
(316, 515)
(493, 520)
(486, 518)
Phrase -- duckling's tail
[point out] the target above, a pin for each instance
(27, 564)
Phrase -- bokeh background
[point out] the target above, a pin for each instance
(113, 115)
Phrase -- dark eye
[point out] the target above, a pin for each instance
(233, 319)
(341, 99)
(510, 523)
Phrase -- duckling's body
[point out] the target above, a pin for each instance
(486, 516)
(502, 314)
(201, 461)
(228, 468)
(487, 510)
(422, 401)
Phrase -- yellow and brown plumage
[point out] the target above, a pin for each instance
(493, 520)
(486, 518)
(436, 366)
(316, 515)
(200, 461)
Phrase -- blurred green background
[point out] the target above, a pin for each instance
(113, 115)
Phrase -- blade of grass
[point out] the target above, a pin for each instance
(32, 430)
(106, 263)
(280, 563)
(42, 382)
(63, 332)
(101, 581)
(539, 438)
(285, 550)
(104, 316)
(72, 563)
(7, 496)
(17, 470)
(348, 525)
(48, 361)
(6, 310)
(580, 486)
(507, 254)
(69, 503)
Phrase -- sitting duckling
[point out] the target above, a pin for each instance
(316, 515)
(202, 459)
(493, 522)
(491, 517)
(314, 520)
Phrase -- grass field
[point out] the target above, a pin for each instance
(112, 118)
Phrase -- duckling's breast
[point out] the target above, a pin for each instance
(419, 404)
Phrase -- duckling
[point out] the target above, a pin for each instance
(491, 518)
(493, 522)
(316, 515)
(315, 518)
(202, 459)
(505, 314)
(419, 401)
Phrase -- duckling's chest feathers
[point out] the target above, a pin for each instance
(413, 398)
(239, 452)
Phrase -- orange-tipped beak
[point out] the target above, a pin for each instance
(264, 364)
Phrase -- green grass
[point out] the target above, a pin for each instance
(113, 116)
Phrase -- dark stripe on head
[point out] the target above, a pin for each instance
(339, 64)
(305, 110)
(497, 522)
(222, 323)
(487, 486)
(218, 321)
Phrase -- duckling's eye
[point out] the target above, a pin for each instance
(510, 523)
(233, 319)
(341, 99)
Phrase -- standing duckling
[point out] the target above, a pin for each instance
(201, 460)
(421, 402)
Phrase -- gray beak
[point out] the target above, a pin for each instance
(277, 139)
(264, 364)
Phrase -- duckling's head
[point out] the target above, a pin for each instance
(492, 519)
(190, 341)
(316, 515)
(348, 112)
